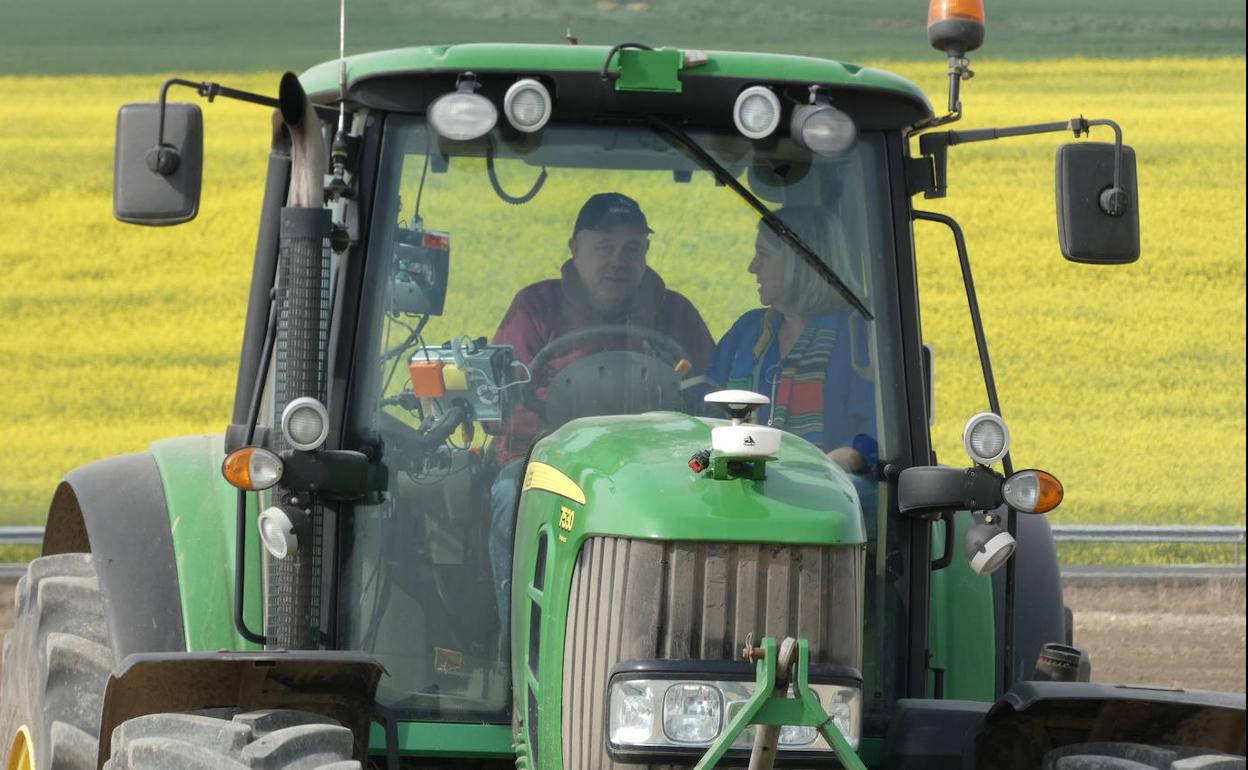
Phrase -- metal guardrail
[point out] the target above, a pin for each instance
(12, 572)
(21, 535)
(1066, 533)
(1128, 533)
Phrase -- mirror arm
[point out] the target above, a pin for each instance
(164, 160)
(937, 145)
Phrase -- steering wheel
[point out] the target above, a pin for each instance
(607, 382)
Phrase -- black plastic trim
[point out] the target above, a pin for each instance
(1033, 718)
(1038, 574)
(931, 734)
(934, 489)
(119, 506)
(340, 383)
(726, 670)
(263, 274)
(919, 537)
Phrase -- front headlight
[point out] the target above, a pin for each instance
(646, 716)
(632, 713)
(692, 713)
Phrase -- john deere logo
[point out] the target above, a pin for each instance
(749, 440)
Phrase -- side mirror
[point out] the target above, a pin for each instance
(158, 185)
(1097, 223)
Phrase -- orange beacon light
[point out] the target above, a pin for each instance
(955, 26)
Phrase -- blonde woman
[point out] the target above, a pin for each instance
(796, 349)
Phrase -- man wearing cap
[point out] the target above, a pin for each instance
(605, 282)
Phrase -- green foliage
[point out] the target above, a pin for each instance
(86, 36)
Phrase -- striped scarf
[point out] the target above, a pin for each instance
(797, 388)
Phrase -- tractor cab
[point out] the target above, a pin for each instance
(540, 282)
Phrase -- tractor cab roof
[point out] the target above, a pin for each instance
(408, 79)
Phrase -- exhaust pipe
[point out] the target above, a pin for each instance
(308, 155)
(304, 228)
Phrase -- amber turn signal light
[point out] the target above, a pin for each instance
(1032, 491)
(252, 468)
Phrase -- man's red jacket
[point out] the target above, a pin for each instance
(547, 310)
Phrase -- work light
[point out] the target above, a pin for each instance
(986, 438)
(527, 105)
(463, 115)
(305, 423)
(988, 546)
(280, 529)
(822, 128)
(756, 112)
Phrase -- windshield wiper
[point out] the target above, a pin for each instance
(776, 224)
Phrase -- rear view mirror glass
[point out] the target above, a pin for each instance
(158, 188)
(422, 261)
(1096, 224)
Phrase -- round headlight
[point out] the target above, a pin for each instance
(756, 112)
(305, 423)
(527, 105)
(280, 527)
(822, 129)
(692, 713)
(462, 116)
(986, 438)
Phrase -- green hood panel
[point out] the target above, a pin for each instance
(636, 481)
(483, 57)
(202, 513)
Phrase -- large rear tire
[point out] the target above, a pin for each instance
(56, 664)
(257, 740)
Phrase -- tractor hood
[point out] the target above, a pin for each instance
(632, 476)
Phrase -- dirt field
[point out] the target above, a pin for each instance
(1173, 635)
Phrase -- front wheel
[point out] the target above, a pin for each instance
(57, 659)
(222, 740)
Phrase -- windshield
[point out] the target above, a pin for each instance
(515, 284)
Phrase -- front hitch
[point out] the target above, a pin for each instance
(771, 707)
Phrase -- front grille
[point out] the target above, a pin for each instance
(638, 599)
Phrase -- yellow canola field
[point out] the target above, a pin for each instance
(1127, 382)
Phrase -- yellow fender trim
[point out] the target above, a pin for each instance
(548, 478)
(22, 753)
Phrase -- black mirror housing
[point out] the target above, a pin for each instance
(158, 186)
(1085, 179)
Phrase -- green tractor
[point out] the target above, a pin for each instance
(582, 421)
